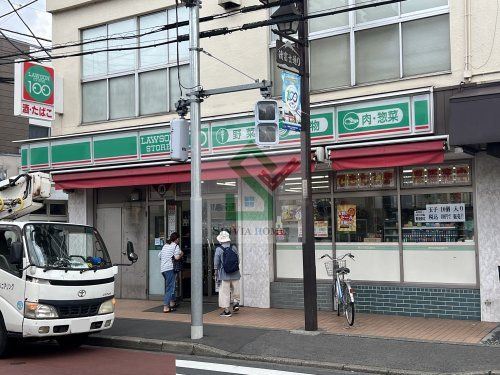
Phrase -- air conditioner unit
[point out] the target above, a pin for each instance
(228, 4)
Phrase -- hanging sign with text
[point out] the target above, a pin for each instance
(288, 57)
(34, 91)
(292, 109)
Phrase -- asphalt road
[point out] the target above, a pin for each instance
(47, 358)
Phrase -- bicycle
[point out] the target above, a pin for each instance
(342, 291)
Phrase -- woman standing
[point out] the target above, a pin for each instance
(169, 251)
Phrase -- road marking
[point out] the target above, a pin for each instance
(218, 367)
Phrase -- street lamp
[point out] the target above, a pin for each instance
(292, 18)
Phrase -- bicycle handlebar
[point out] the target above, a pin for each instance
(342, 257)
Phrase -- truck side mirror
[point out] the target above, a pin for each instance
(16, 253)
(132, 256)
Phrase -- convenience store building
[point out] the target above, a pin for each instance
(393, 191)
(408, 184)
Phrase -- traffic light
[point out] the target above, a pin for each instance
(267, 123)
(179, 139)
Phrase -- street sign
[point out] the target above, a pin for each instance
(34, 91)
(288, 57)
(292, 109)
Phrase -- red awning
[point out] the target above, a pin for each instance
(391, 155)
(271, 170)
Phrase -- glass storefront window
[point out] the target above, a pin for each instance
(366, 219)
(320, 183)
(219, 186)
(288, 220)
(156, 227)
(322, 212)
(443, 217)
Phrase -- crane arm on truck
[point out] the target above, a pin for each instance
(23, 194)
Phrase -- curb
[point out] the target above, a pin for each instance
(188, 348)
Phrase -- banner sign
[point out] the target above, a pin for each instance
(292, 108)
(34, 91)
(441, 213)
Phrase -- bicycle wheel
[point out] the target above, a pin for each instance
(348, 305)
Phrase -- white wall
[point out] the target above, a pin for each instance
(81, 207)
(488, 234)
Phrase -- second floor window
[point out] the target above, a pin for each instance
(134, 81)
(376, 44)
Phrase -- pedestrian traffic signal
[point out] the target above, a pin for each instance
(267, 123)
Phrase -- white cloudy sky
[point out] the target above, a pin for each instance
(34, 15)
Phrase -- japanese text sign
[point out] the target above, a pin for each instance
(288, 57)
(441, 213)
(34, 92)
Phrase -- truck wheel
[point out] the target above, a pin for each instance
(72, 341)
(5, 341)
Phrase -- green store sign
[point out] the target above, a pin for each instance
(376, 119)
(235, 136)
(383, 118)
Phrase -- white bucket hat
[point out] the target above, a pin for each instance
(223, 237)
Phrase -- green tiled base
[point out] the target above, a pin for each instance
(447, 303)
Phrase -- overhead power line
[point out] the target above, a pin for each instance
(222, 31)
(155, 29)
(29, 29)
(23, 53)
(26, 35)
(21, 7)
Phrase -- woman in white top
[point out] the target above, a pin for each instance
(170, 250)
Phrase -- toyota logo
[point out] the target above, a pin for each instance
(81, 293)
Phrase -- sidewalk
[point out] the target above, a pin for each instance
(376, 343)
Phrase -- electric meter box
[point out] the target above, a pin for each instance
(179, 139)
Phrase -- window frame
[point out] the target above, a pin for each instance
(136, 71)
(353, 27)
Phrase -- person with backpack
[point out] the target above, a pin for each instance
(227, 271)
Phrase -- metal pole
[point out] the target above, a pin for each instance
(308, 249)
(196, 202)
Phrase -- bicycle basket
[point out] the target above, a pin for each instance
(331, 266)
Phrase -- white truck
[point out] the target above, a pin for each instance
(56, 279)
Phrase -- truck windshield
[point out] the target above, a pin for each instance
(65, 246)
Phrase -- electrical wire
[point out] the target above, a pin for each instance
(232, 67)
(177, 45)
(162, 28)
(492, 43)
(21, 7)
(118, 36)
(220, 31)
(31, 31)
(26, 35)
(30, 58)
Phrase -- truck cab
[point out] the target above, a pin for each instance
(56, 281)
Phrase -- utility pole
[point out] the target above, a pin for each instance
(196, 200)
(308, 248)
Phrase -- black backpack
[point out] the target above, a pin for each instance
(230, 261)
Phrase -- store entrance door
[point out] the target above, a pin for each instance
(218, 214)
